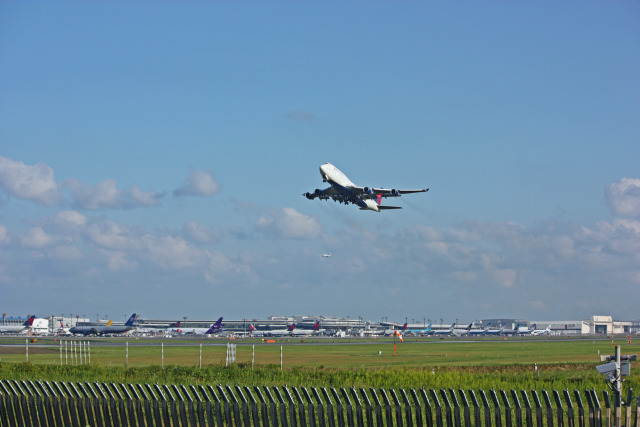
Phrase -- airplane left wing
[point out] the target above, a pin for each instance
(385, 192)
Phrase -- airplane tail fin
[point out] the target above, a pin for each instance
(252, 328)
(292, 327)
(109, 322)
(218, 323)
(404, 327)
(131, 319)
(29, 321)
(316, 327)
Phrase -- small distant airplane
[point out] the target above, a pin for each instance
(424, 331)
(538, 332)
(14, 329)
(326, 255)
(344, 191)
(104, 329)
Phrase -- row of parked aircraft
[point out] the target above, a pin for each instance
(469, 330)
(290, 331)
(110, 329)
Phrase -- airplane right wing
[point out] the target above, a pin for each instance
(322, 194)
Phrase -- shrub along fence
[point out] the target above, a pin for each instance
(45, 403)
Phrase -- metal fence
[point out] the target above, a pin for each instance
(46, 403)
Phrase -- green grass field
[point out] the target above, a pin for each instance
(432, 363)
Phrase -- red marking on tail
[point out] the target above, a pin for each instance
(379, 199)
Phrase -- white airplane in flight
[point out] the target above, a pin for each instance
(344, 191)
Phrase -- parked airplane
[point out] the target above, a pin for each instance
(494, 331)
(538, 332)
(212, 329)
(514, 331)
(344, 191)
(14, 329)
(104, 329)
(424, 331)
(450, 331)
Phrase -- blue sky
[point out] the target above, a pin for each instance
(153, 157)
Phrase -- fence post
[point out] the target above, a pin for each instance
(339, 408)
(447, 408)
(514, 396)
(77, 415)
(398, 407)
(418, 405)
(507, 408)
(408, 411)
(55, 401)
(349, 407)
(64, 408)
(11, 414)
(245, 407)
(559, 409)
(146, 404)
(456, 408)
(367, 408)
(263, 407)
(321, 417)
(137, 404)
(427, 407)
(181, 404)
(207, 409)
(173, 410)
(607, 411)
(155, 407)
(359, 416)
(596, 408)
(330, 417)
(254, 407)
(387, 408)
(628, 403)
(227, 405)
(292, 408)
(312, 412)
(218, 409)
(378, 407)
(592, 422)
(547, 401)
(466, 410)
(436, 402)
(104, 403)
(30, 407)
(165, 409)
(283, 408)
(576, 394)
(301, 408)
(536, 399)
(487, 409)
(528, 414)
(496, 408)
(273, 407)
(96, 405)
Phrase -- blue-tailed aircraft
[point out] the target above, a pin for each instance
(104, 329)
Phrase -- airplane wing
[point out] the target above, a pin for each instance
(390, 192)
(322, 194)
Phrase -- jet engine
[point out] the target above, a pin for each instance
(367, 190)
(394, 192)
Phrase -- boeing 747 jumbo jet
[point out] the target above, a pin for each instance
(344, 191)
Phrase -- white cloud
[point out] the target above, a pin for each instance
(70, 220)
(35, 182)
(624, 197)
(288, 222)
(105, 195)
(4, 235)
(36, 238)
(199, 232)
(198, 183)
